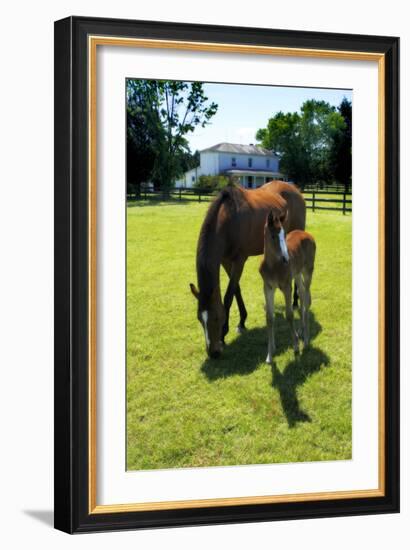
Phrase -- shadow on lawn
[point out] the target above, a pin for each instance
(295, 374)
(247, 352)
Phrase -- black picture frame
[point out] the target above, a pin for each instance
(71, 387)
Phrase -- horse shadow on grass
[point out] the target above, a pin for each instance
(295, 374)
(247, 353)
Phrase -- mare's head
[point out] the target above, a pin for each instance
(275, 236)
(211, 315)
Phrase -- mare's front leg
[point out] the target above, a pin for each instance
(295, 296)
(235, 275)
(243, 314)
(269, 292)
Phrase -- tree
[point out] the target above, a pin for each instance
(341, 151)
(303, 140)
(140, 147)
(189, 160)
(166, 112)
(283, 135)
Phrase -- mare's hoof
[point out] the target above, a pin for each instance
(240, 330)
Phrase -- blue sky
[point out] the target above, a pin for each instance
(243, 109)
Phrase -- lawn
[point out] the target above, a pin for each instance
(184, 410)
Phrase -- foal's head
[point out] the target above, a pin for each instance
(211, 315)
(275, 236)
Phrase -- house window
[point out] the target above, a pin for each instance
(267, 163)
(249, 163)
(193, 178)
(233, 162)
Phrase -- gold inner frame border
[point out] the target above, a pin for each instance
(93, 43)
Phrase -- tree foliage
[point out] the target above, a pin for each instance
(305, 141)
(189, 160)
(341, 151)
(160, 114)
(141, 152)
(211, 183)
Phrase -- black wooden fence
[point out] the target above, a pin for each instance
(177, 193)
(316, 198)
(329, 188)
(328, 200)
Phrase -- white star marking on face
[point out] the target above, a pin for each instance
(283, 245)
(204, 316)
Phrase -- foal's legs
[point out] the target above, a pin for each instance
(270, 318)
(287, 292)
(307, 279)
(234, 277)
(243, 314)
(304, 290)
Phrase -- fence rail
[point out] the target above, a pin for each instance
(177, 193)
(335, 200)
(316, 199)
(336, 188)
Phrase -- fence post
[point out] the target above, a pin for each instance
(344, 204)
(199, 196)
(313, 200)
(180, 194)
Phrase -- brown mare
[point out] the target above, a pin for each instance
(285, 259)
(231, 232)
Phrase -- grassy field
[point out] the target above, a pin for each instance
(184, 410)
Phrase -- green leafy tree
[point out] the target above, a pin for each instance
(141, 152)
(189, 161)
(168, 112)
(304, 140)
(211, 183)
(283, 135)
(341, 151)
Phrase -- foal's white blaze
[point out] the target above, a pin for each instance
(204, 316)
(283, 245)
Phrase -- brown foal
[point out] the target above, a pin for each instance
(286, 258)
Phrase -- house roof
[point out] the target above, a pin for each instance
(267, 173)
(240, 149)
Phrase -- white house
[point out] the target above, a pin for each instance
(251, 165)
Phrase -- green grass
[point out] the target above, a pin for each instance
(184, 410)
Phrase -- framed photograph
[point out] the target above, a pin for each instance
(226, 274)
